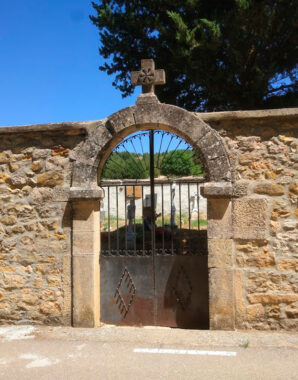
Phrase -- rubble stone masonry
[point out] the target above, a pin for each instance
(261, 249)
(264, 155)
(35, 227)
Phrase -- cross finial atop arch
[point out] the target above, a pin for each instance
(148, 77)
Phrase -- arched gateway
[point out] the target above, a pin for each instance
(147, 114)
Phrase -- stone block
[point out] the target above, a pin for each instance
(255, 312)
(292, 311)
(85, 243)
(118, 120)
(240, 189)
(77, 193)
(280, 210)
(220, 253)
(61, 194)
(240, 310)
(247, 158)
(60, 150)
(4, 177)
(36, 166)
(288, 264)
(293, 188)
(67, 289)
(54, 281)
(219, 218)
(290, 225)
(261, 259)
(217, 190)
(86, 291)
(86, 215)
(84, 173)
(41, 195)
(50, 179)
(12, 281)
(19, 179)
(219, 169)
(269, 188)
(273, 311)
(272, 298)
(29, 297)
(51, 308)
(221, 299)
(250, 218)
(9, 220)
(5, 157)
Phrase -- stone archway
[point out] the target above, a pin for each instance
(85, 193)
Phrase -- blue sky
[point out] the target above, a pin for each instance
(49, 64)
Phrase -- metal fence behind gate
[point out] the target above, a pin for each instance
(180, 218)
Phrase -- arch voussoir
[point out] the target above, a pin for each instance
(154, 115)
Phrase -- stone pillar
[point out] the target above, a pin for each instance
(220, 255)
(85, 256)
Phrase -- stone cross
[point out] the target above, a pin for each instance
(148, 77)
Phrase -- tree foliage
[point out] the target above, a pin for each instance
(180, 163)
(218, 54)
(177, 163)
(126, 165)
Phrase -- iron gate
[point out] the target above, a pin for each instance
(153, 260)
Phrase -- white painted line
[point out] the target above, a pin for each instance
(9, 333)
(183, 352)
(38, 361)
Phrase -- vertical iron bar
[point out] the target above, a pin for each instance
(151, 143)
(172, 242)
(134, 219)
(142, 150)
(188, 192)
(162, 221)
(125, 214)
(117, 217)
(157, 164)
(143, 219)
(151, 136)
(180, 217)
(198, 202)
(109, 232)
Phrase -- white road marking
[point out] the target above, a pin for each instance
(38, 361)
(16, 332)
(183, 352)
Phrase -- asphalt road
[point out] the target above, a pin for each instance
(145, 353)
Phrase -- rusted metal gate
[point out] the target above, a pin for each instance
(153, 262)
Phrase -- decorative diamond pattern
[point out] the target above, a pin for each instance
(182, 288)
(125, 293)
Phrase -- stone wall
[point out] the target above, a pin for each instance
(35, 227)
(264, 155)
(260, 253)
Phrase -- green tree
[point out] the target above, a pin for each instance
(180, 163)
(124, 165)
(218, 54)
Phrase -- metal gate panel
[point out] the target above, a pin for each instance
(181, 291)
(153, 262)
(127, 294)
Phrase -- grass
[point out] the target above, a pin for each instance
(244, 344)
